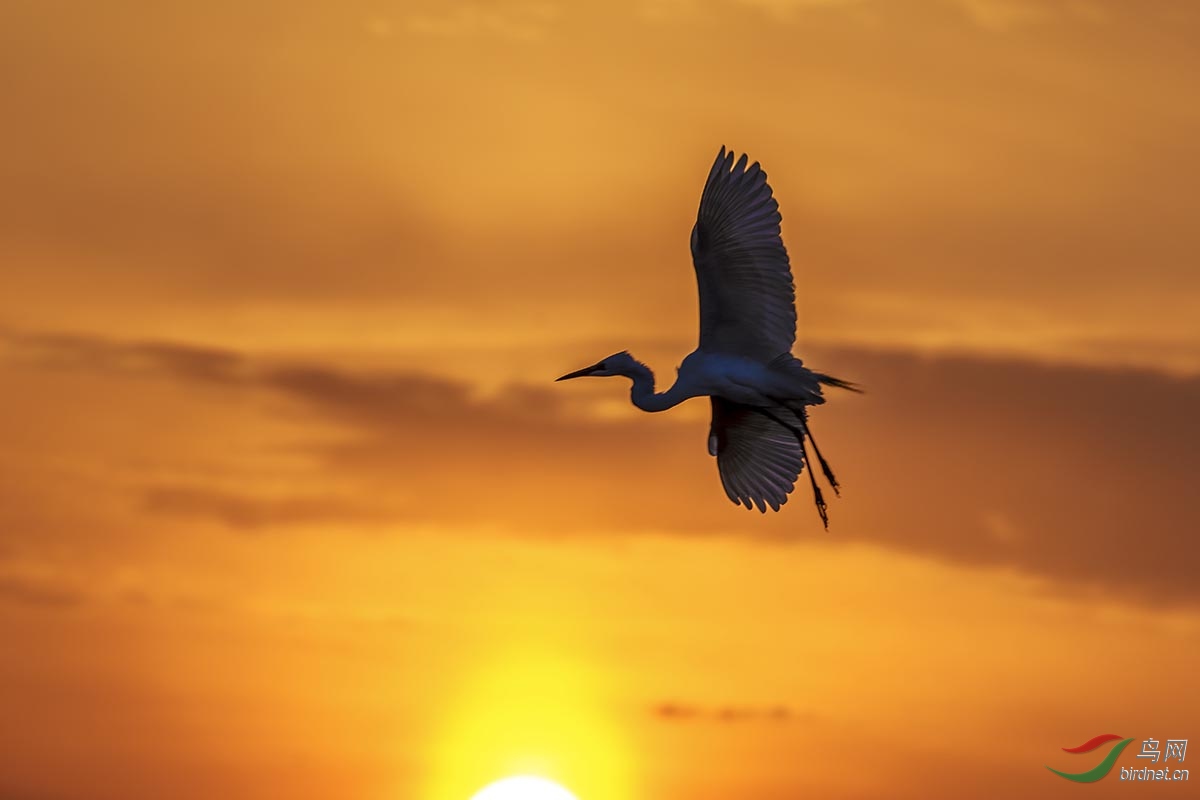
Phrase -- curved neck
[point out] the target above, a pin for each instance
(643, 395)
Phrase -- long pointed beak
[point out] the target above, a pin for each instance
(579, 373)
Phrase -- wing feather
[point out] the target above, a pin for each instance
(758, 459)
(747, 295)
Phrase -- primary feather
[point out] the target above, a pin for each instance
(747, 296)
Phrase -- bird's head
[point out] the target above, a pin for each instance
(617, 364)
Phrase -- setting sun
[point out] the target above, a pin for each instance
(523, 787)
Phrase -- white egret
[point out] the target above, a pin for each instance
(759, 391)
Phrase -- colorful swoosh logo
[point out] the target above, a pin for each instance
(1101, 769)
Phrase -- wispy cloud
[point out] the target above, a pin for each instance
(1007, 15)
(991, 15)
(685, 712)
(256, 511)
(38, 590)
(517, 21)
(986, 462)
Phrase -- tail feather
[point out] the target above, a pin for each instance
(829, 380)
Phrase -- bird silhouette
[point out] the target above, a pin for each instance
(760, 392)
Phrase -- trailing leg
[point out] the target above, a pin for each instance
(817, 497)
(833, 482)
(799, 433)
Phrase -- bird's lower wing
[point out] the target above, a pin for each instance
(758, 459)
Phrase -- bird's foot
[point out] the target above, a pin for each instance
(819, 499)
(833, 482)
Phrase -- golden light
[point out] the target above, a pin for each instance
(523, 787)
(528, 709)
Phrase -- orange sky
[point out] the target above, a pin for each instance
(289, 505)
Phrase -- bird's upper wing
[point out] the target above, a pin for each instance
(747, 297)
(759, 459)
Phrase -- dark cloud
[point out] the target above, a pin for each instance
(1076, 475)
(251, 512)
(8, 793)
(69, 351)
(681, 712)
(1055, 470)
(38, 592)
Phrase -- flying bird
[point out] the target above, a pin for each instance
(759, 391)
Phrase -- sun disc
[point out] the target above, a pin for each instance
(523, 787)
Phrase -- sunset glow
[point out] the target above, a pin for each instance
(291, 505)
(524, 788)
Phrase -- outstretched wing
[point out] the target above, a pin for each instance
(758, 459)
(747, 297)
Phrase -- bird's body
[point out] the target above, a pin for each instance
(735, 378)
(758, 389)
